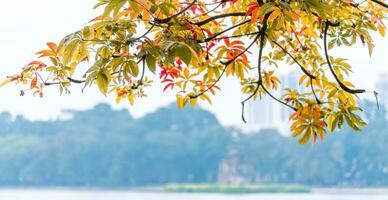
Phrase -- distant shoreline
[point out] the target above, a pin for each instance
(340, 190)
(161, 189)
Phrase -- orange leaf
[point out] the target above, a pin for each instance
(52, 46)
(98, 18)
(36, 63)
(39, 65)
(255, 14)
(46, 53)
(293, 116)
(34, 82)
(251, 7)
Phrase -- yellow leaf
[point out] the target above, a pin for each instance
(274, 15)
(298, 130)
(193, 102)
(301, 80)
(306, 137)
(331, 123)
(131, 99)
(180, 101)
(118, 99)
(73, 66)
(5, 82)
(381, 30)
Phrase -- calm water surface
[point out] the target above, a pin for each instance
(60, 194)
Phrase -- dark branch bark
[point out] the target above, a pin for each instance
(237, 36)
(342, 85)
(313, 90)
(218, 17)
(260, 81)
(276, 99)
(226, 30)
(380, 3)
(294, 59)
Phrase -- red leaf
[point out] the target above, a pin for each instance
(179, 62)
(168, 85)
(211, 46)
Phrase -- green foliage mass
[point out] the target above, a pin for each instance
(237, 189)
(105, 147)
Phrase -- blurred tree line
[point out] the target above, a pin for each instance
(106, 147)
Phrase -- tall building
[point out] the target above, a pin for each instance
(266, 113)
(382, 89)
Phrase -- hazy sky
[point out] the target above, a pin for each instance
(27, 25)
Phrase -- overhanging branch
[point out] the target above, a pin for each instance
(385, 5)
(166, 20)
(295, 60)
(226, 66)
(200, 23)
(342, 85)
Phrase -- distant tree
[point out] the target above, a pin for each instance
(193, 44)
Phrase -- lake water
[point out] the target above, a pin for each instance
(66, 194)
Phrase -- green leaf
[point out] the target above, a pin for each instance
(183, 53)
(351, 123)
(69, 51)
(103, 80)
(114, 6)
(264, 9)
(115, 63)
(370, 48)
(334, 124)
(331, 44)
(134, 68)
(134, 6)
(151, 63)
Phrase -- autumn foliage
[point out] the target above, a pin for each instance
(191, 45)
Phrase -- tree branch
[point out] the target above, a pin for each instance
(200, 23)
(342, 85)
(226, 66)
(226, 30)
(380, 3)
(166, 20)
(294, 59)
(260, 81)
(313, 90)
(276, 99)
(239, 35)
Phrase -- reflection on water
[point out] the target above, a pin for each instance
(59, 194)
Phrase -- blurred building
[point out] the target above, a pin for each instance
(382, 89)
(232, 171)
(266, 113)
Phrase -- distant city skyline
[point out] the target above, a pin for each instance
(265, 113)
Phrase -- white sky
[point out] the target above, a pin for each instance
(25, 27)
